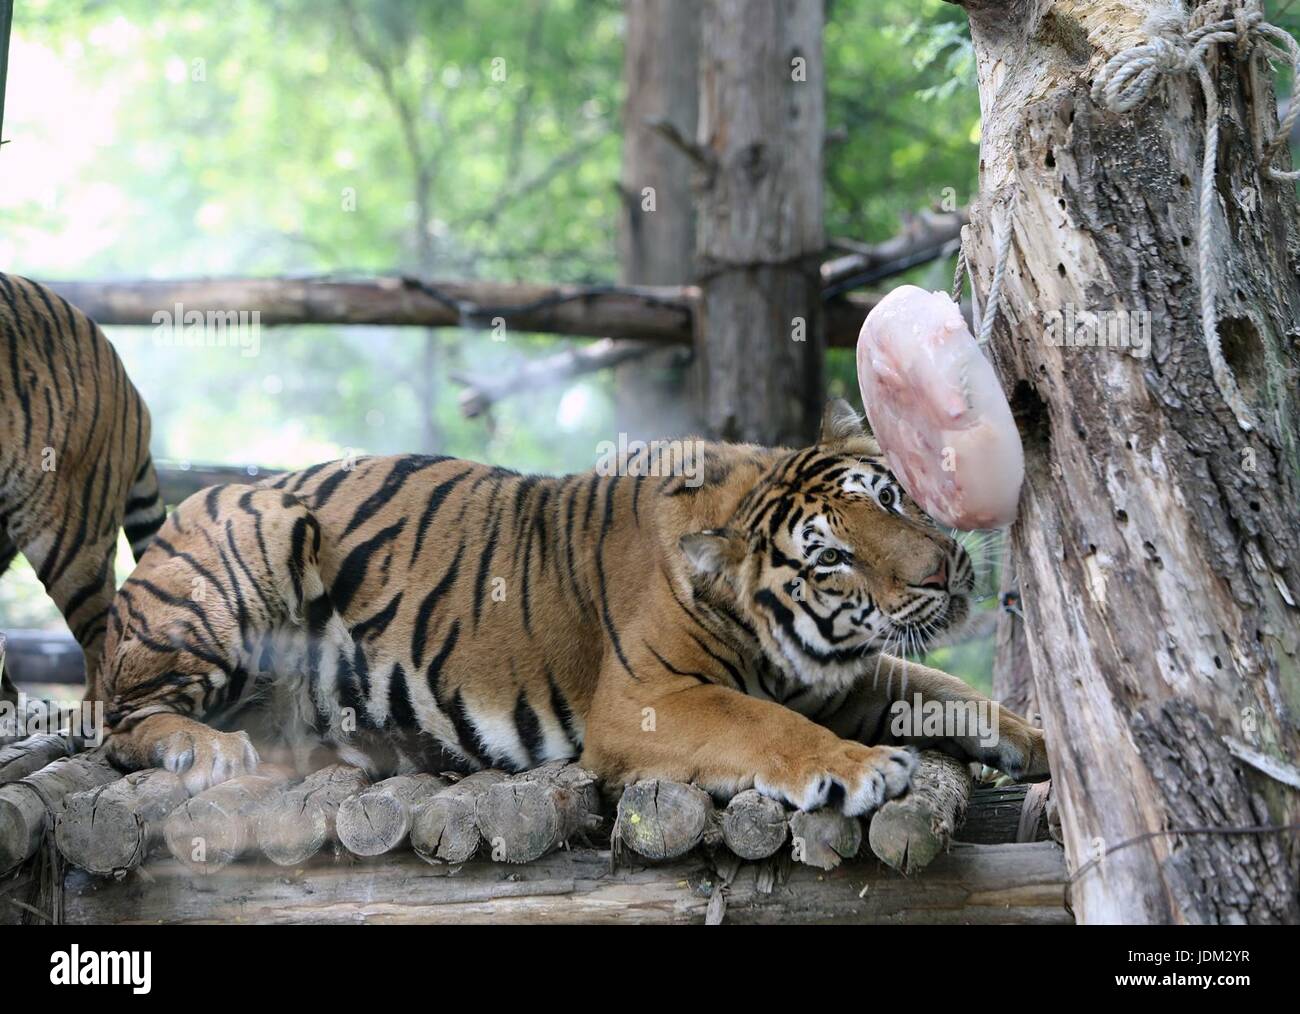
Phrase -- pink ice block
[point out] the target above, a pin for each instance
(938, 411)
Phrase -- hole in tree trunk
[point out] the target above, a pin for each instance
(1030, 412)
(1243, 351)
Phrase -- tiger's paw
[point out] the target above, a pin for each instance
(1021, 751)
(853, 778)
(207, 758)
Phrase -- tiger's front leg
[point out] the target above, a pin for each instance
(726, 741)
(907, 703)
(201, 755)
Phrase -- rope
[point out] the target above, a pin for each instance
(984, 320)
(1127, 80)
(1002, 248)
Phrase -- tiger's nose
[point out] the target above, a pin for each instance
(939, 579)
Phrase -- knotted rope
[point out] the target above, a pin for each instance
(1127, 80)
(1002, 248)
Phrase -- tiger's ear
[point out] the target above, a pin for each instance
(840, 423)
(713, 551)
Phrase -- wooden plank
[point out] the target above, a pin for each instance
(972, 884)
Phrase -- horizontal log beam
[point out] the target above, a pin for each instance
(983, 884)
(661, 314)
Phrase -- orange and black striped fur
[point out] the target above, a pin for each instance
(74, 457)
(424, 612)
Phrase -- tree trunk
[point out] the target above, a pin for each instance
(1157, 541)
(1013, 669)
(759, 333)
(657, 229)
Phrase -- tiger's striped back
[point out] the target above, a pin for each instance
(74, 456)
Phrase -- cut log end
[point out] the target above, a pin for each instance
(660, 819)
(109, 830)
(754, 826)
(908, 833)
(27, 805)
(535, 812)
(824, 838)
(378, 820)
(217, 826)
(444, 829)
(293, 826)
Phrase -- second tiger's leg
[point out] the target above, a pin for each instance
(904, 703)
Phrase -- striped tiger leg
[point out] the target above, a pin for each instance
(82, 586)
(911, 704)
(145, 512)
(8, 692)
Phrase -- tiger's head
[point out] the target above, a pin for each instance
(827, 561)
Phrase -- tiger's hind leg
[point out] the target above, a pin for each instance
(8, 692)
(144, 512)
(81, 581)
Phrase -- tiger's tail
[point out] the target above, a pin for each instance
(145, 511)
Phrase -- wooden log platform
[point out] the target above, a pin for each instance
(111, 828)
(378, 820)
(971, 884)
(28, 805)
(908, 833)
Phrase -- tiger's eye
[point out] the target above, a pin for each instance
(828, 558)
(886, 498)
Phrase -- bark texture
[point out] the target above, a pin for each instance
(1157, 545)
(760, 334)
(661, 56)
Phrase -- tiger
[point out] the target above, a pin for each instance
(729, 625)
(75, 466)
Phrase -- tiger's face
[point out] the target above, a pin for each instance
(829, 562)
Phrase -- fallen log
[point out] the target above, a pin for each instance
(971, 884)
(29, 805)
(535, 812)
(659, 819)
(378, 820)
(652, 313)
(444, 830)
(662, 314)
(293, 826)
(909, 832)
(754, 826)
(20, 759)
(824, 838)
(217, 826)
(108, 830)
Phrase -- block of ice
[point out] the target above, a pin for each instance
(938, 411)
